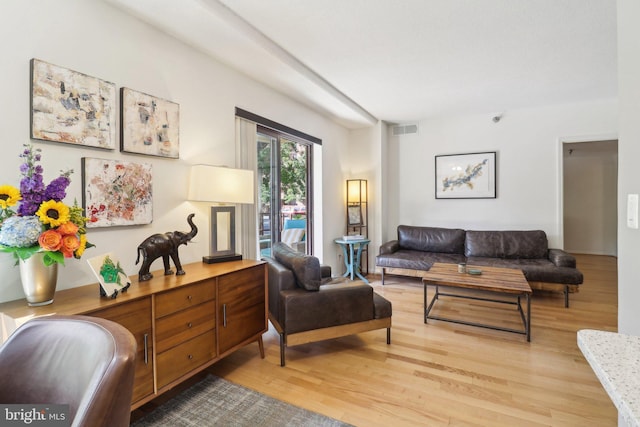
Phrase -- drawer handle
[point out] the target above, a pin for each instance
(189, 297)
(189, 325)
(146, 350)
(191, 357)
(224, 315)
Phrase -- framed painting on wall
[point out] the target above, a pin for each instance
(116, 192)
(149, 125)
(71, 107)
(466, 176)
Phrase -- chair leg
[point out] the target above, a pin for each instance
(281, 348)
(388, 335)
(382, 277)
(566, 296)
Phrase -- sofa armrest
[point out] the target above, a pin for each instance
(561, 258)
(389, 247)
(332, 305)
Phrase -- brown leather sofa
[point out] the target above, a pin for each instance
(84, 362)
(417, 248)
(306, 305)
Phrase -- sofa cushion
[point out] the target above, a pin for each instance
(306, 268)
(416, 260)
(333, 305)
(534, 270)
(530, 244)
(431, 239)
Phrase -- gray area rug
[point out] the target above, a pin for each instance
(217, 402)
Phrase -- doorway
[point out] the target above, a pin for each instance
(590, 197)
(284, 193)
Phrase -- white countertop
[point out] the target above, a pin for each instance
(615, 359)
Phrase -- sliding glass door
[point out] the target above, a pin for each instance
(284, 193)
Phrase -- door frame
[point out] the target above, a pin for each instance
(560, 167)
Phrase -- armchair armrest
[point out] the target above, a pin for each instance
(561, 258)
(332, 305)
(325, 271)
(280, 278)
(389, 247)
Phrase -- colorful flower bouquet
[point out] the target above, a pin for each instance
(42, 223)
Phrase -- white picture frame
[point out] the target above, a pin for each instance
(354, 215)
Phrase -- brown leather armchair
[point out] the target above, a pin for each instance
(85, 362)
(306, 305)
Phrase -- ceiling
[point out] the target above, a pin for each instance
(359, 61)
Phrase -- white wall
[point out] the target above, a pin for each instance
(590, 176)
(628, 170)
(94, 38)
(363, 160)
(528, 156)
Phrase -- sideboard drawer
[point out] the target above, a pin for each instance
(179, 327)
(185, 297)
(180, 360)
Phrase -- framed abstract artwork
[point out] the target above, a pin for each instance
(71, 107)
(116, 193)
(466, 176)
(149, 125)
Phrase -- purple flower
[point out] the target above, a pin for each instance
(56, 190)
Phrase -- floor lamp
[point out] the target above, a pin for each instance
(221, 185)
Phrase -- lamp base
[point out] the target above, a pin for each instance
(213, 259)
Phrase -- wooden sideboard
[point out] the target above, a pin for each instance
(182, 324)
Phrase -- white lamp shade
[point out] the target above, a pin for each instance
(220, 184)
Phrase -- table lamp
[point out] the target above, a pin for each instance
(221, 185)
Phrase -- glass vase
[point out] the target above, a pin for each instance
(38, 280)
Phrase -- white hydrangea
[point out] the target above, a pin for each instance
(20, 231)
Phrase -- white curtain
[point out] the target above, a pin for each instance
(247, 158)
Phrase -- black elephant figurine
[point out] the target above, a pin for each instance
(165, 246)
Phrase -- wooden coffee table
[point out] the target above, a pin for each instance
(503, 281)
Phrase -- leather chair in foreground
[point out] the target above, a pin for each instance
(85, 362)
(305, 306)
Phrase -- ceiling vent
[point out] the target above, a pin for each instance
(405, 129)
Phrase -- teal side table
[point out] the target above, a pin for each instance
(352, 252)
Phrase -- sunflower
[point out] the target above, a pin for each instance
(83, 245)
(9, 196)
(53, 213)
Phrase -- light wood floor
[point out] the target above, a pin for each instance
(447, 374)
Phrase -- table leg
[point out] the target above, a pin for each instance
(528, 318)
(356, 266)
(351, 266)
(345, 255)
(425, 301)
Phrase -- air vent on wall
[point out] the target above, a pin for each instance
(404, 129)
